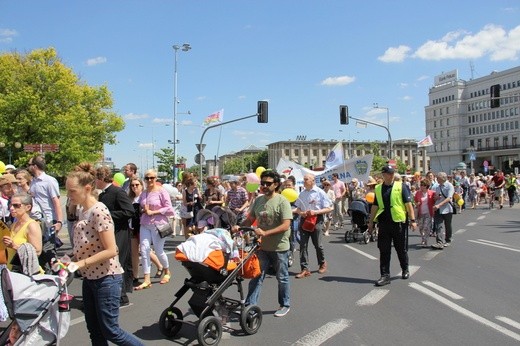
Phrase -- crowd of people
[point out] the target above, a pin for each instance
(114, 229)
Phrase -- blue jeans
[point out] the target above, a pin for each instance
(280, 261)
(101, 307)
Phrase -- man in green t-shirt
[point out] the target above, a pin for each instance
(273, 215)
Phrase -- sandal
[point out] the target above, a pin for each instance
(159, 273)
(143, 286)
(165, 279)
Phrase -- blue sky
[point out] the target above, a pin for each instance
(305, 57)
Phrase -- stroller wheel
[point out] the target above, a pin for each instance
(169, 323)
(349, 237)
(251, 319)
(366, 237)
(209, 331)
(291, 259)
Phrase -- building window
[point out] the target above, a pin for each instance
(296, 152)
(447, 121)
(447, 110)
(479, 144)
(514, 141)
(505, 141)
(495, 142)
(488, 142)
(440, 111)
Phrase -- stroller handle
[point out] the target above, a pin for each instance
(246, 232)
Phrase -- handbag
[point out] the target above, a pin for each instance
(164, 230)
(309, 223)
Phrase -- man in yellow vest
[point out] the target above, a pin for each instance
(511, 188)
(392, 209)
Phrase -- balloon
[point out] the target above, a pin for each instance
(252, 178)
(2, 167)
(119, 178)
(252, 187)
(115, 183)
(180, 175)
(290, 194)
(259, 171)
(370, 197)
(456, 197)
(460, 202)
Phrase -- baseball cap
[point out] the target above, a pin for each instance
(388, 169)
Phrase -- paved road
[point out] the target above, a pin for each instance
(465, 294)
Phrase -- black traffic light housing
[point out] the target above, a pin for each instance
(343, 115)
(494, 92)
(262, 112)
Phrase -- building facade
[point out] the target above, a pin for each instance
(465, 129)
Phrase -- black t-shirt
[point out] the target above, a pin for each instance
(386, 191)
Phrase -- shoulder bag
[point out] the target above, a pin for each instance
(453, 207)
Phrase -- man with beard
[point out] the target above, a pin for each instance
(273, 214)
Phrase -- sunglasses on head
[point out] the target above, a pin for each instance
(149, 178)
(266, 183)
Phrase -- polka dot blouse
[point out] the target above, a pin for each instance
(87, 241)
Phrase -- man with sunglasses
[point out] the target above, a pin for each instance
(273, 214)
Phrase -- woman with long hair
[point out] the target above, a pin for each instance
(96, 256)
(212, 195)
(156, 207)
(191, 203)
(136, 188)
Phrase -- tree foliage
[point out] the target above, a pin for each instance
(42, 101)
(246, 163)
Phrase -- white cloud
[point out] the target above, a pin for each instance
(6, 35)
(96, 61)
(492, 41)
(201, 98)
(338, 81)
(132, 116)
(146, 145)
(164, 121)
(407, 98)
(395, 54)
(423, 77)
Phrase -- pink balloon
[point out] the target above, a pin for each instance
(252, 178)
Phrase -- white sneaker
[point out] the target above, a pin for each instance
(282, 311)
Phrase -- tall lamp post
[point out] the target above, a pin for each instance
(390, 151)
(17, 145)
(185, 47)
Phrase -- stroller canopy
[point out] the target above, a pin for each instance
(209, 219)
(226, 216)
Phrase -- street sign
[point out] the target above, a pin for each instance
(200, 148)
(472, 157)
(392, 163)
(199, 159)
(34, 148)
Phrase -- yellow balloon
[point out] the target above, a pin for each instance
(259, 171)
(460, 202)
(370, 197)
(290, 194)
(2, 167)
(456, 196)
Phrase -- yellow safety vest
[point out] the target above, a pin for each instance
(397, 208)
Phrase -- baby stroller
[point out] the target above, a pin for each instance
(226, 216)
(209, 279)
(33, 303)
(359, 212)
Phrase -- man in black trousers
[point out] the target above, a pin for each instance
(121, 209)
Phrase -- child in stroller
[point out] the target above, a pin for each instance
(359, 211)
(207, 258)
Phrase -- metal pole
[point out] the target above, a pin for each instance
(176, 48)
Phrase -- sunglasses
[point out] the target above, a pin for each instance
(149, 178)
(16, 205)
(134, 185)
(266, 183)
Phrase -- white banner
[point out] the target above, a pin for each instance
(357, 167)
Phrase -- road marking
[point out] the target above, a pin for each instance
(323, 333)
(373, 297)
(412, 269)
(360, 252)
(481, 217)
(491, 242)
(430, 255)
(441, 289)
(494, 245)
(460, 231)
(509, 321)
(465, 312)
(471, 224)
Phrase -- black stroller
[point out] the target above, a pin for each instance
(207, 302)
(359, 211)
(226, 216)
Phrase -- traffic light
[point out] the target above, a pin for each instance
(203, 170)
(262, 112)
(494, 91)
(343, 115)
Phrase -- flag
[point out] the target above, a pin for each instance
(336, 156)
(426, 142)
(214, 118)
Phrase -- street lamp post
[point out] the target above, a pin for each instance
(390, 151)
(185, 47)
(17, 145)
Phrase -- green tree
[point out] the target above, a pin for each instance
(42, 101)
(246, 163)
